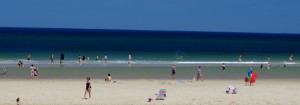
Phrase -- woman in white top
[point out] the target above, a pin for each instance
(199, 73)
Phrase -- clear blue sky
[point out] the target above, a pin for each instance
(271, 16)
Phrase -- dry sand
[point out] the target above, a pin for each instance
(136, 92)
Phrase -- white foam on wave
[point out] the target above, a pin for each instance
(226, 62)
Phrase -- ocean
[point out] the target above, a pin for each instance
(145, 46)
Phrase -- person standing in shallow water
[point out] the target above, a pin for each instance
(88, 88)
(80, 59)
(223, 67)
(173, 70)
(105, 60)
(97, 58)
(129, 59)
(291, 58)
(32, 72)
(4, 71)
(199, 73)
(62, 58)
(269, 59)
(240, 58)
(28, 56)
(52, 58)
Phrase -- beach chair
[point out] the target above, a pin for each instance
(161, 94)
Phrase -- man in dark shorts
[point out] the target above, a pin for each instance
(173, 69)
(62, 58)
(223, 67)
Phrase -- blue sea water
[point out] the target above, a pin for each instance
(144, 45)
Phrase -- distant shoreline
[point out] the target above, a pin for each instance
(145, 63)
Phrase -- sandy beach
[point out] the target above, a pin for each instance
(136, 92)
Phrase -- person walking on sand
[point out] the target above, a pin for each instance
(291, 58)
(52, 58)
(88, 88)
(199, 73)
(261, 66)
(173, 70)
(249, 74)
(28, 56)
(223, 67)
(62, 58)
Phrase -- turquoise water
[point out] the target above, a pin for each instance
(145, 46)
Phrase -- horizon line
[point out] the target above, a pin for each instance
(95, 29)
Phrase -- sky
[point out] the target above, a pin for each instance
(263, 16)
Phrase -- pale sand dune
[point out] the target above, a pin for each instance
(136, 92)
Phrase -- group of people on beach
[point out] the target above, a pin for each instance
(81, 59)
(28, 57)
